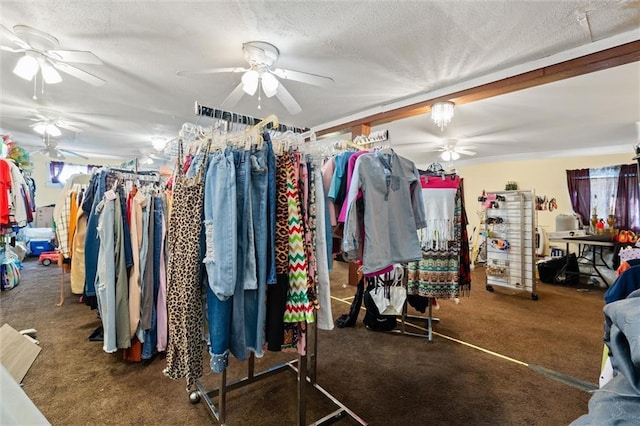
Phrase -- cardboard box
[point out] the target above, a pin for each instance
(44, 217)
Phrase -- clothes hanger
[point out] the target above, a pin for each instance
(269, 119)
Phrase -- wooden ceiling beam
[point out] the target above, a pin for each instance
(609, 58)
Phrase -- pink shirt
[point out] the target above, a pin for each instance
(436, 182)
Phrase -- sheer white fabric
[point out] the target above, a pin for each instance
(604, 186)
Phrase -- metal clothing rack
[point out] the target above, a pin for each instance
(299, 367)
(429, 318)
(403, 318)
(232, 117)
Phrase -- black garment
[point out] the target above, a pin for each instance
(373, 319)
(350, 319)
(419, 303)
(276, 300)
(128, 254)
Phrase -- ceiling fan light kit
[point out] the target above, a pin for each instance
(40, 53)
(260, 77)
(49, 73)
(158, 143)
(29, 65)
(442, 113)
(269, 84)
(47, 129)
(449, 155)
(26, 68)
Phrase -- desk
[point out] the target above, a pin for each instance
(593, 245)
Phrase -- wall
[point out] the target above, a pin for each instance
(545, 176)
(46, 195)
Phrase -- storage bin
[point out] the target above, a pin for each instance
(38, 246)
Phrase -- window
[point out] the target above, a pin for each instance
(605, 191)
(60, 171)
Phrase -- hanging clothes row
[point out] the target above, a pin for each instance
(385, 212)
(65, 214)
(376, 208)
(124, 259)
(16, 197)
(259, 207)
(443, 272)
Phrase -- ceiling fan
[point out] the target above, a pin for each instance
(451, 151)
(52, 151)
(40, 53)
(261, 77)
(48, 122)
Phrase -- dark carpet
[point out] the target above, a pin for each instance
(526, 365)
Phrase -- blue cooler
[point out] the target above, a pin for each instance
(39, 246)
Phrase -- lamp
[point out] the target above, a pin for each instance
(449, 155)
(441, 113)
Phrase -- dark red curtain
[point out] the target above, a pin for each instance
(580, 193)
(628, 199)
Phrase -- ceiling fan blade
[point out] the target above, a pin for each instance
(211, 71)
(70, 123)
(12, 37)
(72, 153)
(78, 73)
(12, 50)
(68, 127)
(464, 151)
(234, 96)
(51, 152)
(77, 56)
(303, 77)
(287, 100)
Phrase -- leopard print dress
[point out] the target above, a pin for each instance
(184, 302)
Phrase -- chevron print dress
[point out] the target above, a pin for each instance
(298, 308)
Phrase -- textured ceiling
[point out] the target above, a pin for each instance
(377, 52)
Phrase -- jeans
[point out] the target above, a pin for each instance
(271, 207)
(161, 306)
(105, 287)
(151, 334)
(227, 317)
(255, 300)
(221, 234)
(220, 222)
(246, 254)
